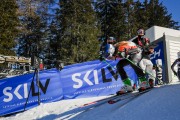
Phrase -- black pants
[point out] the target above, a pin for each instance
(178, 74)
(124, 62)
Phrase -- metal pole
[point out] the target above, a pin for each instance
(37, 82)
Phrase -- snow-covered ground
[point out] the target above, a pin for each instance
(161, 103)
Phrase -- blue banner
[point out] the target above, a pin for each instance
(158, 53)
(14, 91)
(158, 57)
(88, 79)
(94, 78)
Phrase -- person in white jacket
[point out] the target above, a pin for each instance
(147, 67)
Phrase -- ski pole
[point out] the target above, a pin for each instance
(109, 64)
(141, 68)
(133, 64)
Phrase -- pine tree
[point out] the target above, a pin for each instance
(145, 14)
(79, 30)
(8, 26)
(52, 49)
(140, 16)
(117, 26)
(116, 18)
(32, 28)
(159, 15)
(130, 19)
(108, 16)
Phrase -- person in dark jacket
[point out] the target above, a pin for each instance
(176, 62)
(145, 63)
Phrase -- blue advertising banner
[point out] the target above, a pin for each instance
(14, 91)
(93, 78)
(158, 57)
(158, 53)
(88, 79)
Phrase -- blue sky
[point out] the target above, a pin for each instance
(173, 7)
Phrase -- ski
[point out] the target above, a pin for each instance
(97, 101)
(104, 100)
(112, 101)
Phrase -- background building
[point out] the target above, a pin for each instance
(168, 41)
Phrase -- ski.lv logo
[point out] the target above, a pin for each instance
(156, 54)
(85, 79)
(10, 93)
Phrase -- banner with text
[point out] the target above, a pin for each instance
(88, 79)
(158, 59)
(21, 92)
(93, 78)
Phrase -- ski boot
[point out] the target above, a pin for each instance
(151, 83)
(143, 84)
(134, 87)
(126, 88)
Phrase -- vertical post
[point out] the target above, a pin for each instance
(37, 82)
(37, 61)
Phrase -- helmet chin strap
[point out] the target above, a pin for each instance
(110, 42)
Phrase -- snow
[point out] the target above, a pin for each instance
(161, 103)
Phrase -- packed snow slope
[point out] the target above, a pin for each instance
(161, 103)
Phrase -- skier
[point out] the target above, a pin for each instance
(147, 66)
(145, 63)
(159, 71)
(129, 51)
(138, 52)
(176, 62)
(107, 49)
(110, 47)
